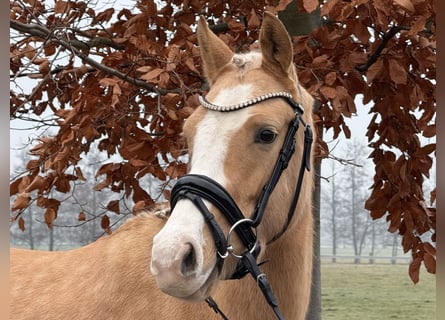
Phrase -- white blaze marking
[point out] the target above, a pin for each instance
(214, 132)
(210, 148)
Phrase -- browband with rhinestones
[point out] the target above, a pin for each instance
(208, 105)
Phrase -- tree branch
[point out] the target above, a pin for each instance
(75, 46)
(385, 39)
(350, 162)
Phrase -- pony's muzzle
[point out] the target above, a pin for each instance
(188, 261)
(171, 267)
(177, 264)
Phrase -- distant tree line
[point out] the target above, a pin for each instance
(345, 223)
(94, 214)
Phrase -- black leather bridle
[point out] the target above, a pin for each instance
(198, 187)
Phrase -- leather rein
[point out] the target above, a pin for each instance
(198, 187)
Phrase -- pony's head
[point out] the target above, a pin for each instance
(237, 150)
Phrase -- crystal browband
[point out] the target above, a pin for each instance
(208, 105)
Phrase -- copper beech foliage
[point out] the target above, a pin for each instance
(131, 77)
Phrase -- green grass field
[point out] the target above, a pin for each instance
(381, 292)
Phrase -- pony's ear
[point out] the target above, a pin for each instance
(215, 53)
(276, 45)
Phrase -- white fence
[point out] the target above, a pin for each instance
(365, 259)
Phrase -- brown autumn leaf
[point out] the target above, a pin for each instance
(429, 131)
(138, 207)
(407, 4)
(21, 202)
(330, 78)
(374, 71)
(173, 58)
(21, 223)
(164, 79)
(429, 248)
(105, 222)
(108, 167)
(37, 183)
(44, 67)
(32, 164)
(14, 186)
(135, 147)
(409, 221)
(346, 130)
(104, 184)
(62, 185)
(414, 269)
(397, 72)
(139, 163)
(190, 63)
(79, 174)
(328, 92)
(417, 26)
(376, 204)
(253, 22)
(103, 16)
(320, 60)
(50, 49)
(282, 5)
(113, 206)
(145, 69)
(50, 216)
(433, 196)
(235, 26)
(172, 114)
(29, 51)
(327, 7)
(395, 222)
(82, 216)
(425, 150)
(430, 262)
(310, 5)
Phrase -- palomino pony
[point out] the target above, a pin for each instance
(238, 208)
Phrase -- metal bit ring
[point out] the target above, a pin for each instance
(230, 247)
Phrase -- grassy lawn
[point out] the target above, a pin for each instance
(381, 292)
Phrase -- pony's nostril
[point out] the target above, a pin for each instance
(189, 262)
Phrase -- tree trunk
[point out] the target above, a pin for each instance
(334, 215)
(353, 220)
(91, 235)
(314, 312)
(31, 235)
(299, 23)
(394, 249)
(372, 253)
(302, 23)
(363, 238)
(51, 240)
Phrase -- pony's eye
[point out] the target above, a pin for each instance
(265, 136)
